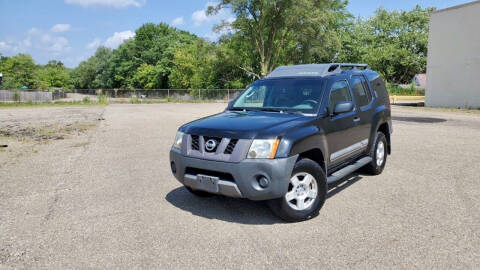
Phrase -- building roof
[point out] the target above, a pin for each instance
(456, 7)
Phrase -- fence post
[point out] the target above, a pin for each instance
(228, 95)
(199, 91)
(168, 94)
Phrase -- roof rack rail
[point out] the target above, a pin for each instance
(315, 70)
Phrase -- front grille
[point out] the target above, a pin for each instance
(195, 142)
(221, 175)
(230, 146)
(217, 143)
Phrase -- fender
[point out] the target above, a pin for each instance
(302, 140)
(381, 116)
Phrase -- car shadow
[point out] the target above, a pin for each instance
(239, 210)
(223, 208)
(340, 185)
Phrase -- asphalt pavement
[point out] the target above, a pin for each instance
(107, 199)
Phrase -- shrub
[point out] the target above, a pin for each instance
(135, 100)
(16, 96)
(103, 99)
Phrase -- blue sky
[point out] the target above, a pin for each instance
(71, 30)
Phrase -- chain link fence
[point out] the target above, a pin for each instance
(167, 94)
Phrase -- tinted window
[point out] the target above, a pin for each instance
(301, 95)
(338, 94)
(378, 85)
(362, 95)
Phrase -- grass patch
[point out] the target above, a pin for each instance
(103, 99)
(399, 91)
(48, 104)
(160, 101)
(135, 100)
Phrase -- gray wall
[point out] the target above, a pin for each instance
(35, 96)
(453, 68)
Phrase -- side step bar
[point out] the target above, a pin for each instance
(338, 175)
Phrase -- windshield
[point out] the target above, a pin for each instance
(282, 95)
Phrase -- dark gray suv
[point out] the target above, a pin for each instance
(286, 137)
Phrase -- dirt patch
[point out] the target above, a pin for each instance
(44, 124)
(26, 131)
(44, 133)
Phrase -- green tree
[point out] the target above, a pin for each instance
(194, 66)
(18, 71)
(94, 73)
(284, 31)
(154, 45)
(394, 43)
(147, 77)
(54, 75)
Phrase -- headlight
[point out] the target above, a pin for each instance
(263, 148)
(177, 143)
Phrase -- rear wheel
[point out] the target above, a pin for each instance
(378, 154)
(199, 193)
(306, 194)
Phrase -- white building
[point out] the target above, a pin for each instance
(453, 68)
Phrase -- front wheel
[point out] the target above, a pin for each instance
(306, 194)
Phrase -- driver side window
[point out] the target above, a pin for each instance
(339, 93)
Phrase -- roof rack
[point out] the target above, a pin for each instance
(315, 70)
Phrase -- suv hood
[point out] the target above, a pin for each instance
(243, 125)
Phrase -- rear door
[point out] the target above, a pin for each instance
(364, 107)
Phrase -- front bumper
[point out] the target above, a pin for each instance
(245, 175)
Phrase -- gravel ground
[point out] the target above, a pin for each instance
(105, 198)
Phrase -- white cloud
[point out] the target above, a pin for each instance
(178, 21)
(200, 17)
(118, 38)
(107, 3)
(59, 45)
(94, 44)
(8, 48)
(60, 28)
(111, 42)
(36, 41)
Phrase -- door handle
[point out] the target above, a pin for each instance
(356, 119)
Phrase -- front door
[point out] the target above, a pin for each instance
(340, 129)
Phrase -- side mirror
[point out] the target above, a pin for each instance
(343, 107)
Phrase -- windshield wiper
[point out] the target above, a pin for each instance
(271, 110)
(294, 112)
(240, 109)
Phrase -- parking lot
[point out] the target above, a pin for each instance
(103, 196)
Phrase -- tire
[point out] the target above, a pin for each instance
(288, 207)
(378, 154)
(199, 193)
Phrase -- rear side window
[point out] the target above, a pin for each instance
(378, 85)
(338, 94)
(361, 93)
